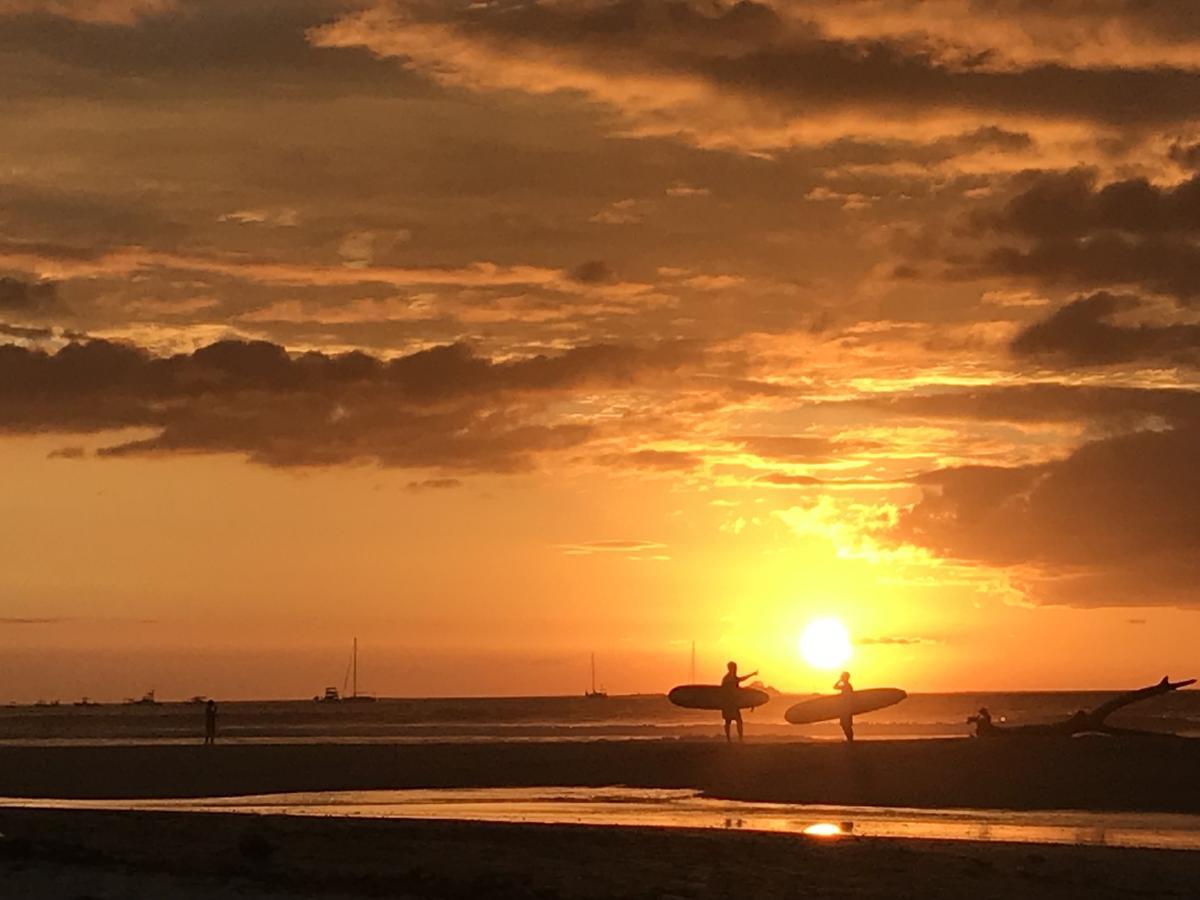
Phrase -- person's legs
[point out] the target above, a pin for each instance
(727, 721)
(739, 725)
(848, 728)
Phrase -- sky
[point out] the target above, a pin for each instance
(498, 334)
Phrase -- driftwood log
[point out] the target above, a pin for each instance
(1082, 722)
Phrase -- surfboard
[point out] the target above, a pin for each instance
(834, 706)
(713, 696)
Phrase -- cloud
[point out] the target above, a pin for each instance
(757, 77)
(1013, 34)
(101, 12)
(1076, 232)
(654, 460)
(895, 641)
(622, 212)
(1119, 407)
(595, 271)
(1060, 204)
(587, 548)
(1115, 523)
(434, 484)
(1081, 333)
(443, 408)
(25, 298)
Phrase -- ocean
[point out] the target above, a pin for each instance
(642, 716)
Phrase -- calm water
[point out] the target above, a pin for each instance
(547, 718)
(686, 809)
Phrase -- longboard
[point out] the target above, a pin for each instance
(834, 706)
(713, 696)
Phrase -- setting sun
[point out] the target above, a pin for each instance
(825, 644)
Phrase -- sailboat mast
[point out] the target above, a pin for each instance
(593, 673)
(355, 687)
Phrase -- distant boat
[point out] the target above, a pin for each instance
(594, 694)
(86, 702)
(146, 700)
(331, 693)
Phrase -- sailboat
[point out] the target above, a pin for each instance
(594, 694)
(355, 696)
(331, 693)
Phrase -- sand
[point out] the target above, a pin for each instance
(109, 855)
(1099, 774)
(94, 854)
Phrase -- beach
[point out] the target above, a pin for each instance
(73, 853)
(98, 854)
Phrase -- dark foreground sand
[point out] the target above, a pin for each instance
(170, 855)
(1038, 773)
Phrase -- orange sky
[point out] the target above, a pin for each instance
(500, 334)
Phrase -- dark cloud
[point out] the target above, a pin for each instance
(28, 298)
(595, 271)
(1080, 333)
(1163, 264)
(801, 447)
(1115, 407)
(1186, 155)
(896, 641)
(434, 484)
(440, 408)
(215, 43)
(1071, 203)
(772, 69)
(1116, 523)
(1074, 231)
(786, 479)
(660, 460)
(23, 333)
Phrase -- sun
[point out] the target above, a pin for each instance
(825, 644)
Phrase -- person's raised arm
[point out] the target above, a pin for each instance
(742, 678)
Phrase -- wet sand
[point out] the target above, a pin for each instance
(106, 854)
(1087, 774)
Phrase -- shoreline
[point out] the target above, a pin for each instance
(1147, 775)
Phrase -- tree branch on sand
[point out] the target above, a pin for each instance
(1082, 722)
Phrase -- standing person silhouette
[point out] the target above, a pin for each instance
(731, 712)
(210, 723)
(847, 720)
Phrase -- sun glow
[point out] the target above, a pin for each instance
(825, 644)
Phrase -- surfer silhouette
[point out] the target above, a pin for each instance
(210, 723)
(847, 719)
(731, 712)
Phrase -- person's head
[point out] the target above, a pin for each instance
(845, 676)
(212, 703)
(732, 667)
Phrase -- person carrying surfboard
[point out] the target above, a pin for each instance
(730, 711)
(847, 719)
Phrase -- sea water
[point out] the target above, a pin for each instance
(643, 716)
